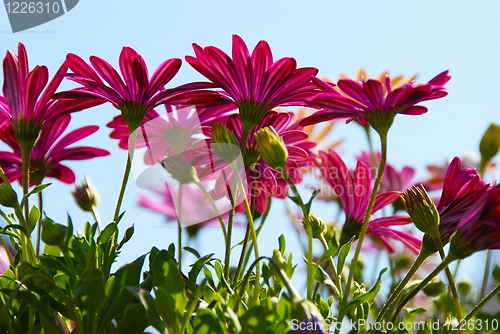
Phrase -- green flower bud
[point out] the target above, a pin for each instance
(180, 169)
(8, 196)
(87, 197)
(422, 210)
(52, 233)
(318, 226)
(490, 144)
(465, 285)
(224, 143)
(272, 148)
(280, 260)
(434, 288)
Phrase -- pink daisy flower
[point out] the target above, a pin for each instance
(254, 83)
(49, 152)
(27, 103)
(479, 228)
(353, 191)
(374, 101)
(137, 93)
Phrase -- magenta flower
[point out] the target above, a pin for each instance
(373, 102)
(135, 97)
(354, 194)
(254, 83)
(176, 128)
(49, 151)
(479, 228)
(461, 189)
(266, 180)
(27, 104)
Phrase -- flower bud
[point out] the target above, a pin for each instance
(422, 210)
(180, 169)
(224, 143)
(280, 260)
(87, 197)
(318, 226)
(465, 285)
(490, 144)
(52, 233)
(310, 319)
(272, 148)
(8, 196)
(434, 288)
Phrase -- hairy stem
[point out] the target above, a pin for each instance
(364, 228)
(483, 302)
(130, 156)
(179, 225)
(39, 231)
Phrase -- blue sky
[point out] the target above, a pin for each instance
(404, 37)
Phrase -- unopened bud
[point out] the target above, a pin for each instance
(465, 285)
(8, 196)
(318, 226)
(280, 260)
(272, 148)
(490, 144)
(180, 169)
(87, 197)
(52, 233)
(224, 143)
(435, 288)
(422, 210)
(309, 317)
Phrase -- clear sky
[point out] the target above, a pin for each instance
(424, 38)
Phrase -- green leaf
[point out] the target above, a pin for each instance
(106, 233)
(128, 234)
(321, 276)
(344, 251)
(134, 320)
(117, 296)
(192, 251)
(34, 216)
(206, 322)
(197, 266)
(253, 321)
(370, 295)
(148, 303)
(35, 190)
(282, 243)
(332, 250)
(159, 267)
(89, 296)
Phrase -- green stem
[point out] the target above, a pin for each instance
(179, 225)
(307, 224)
(26, 182)
(128, 167)
(97, 218)
(227, 258)
(264, 217)
(486, 273)
(395, 294)
(6, 249)
(252, 229)
(453, 287)
(216, 210)
(364, 228)
(237, 275)
(483, 302)
(332, 264)
(39, 232)
(422, 285)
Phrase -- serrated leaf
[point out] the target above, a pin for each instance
(332, 250)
